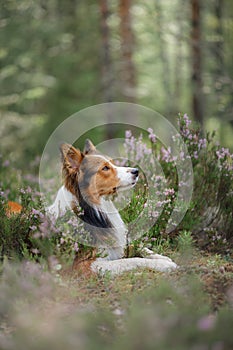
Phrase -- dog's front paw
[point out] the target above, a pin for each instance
(149, 254)
(158, 256)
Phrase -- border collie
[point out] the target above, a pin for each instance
(89, 179)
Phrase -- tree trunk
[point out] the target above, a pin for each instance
(106, 62)
(219, 60)
(163, 57)
(219, 72)
(219, 32)
(107, 68)
(127, 69)
(196, 53)
(179, 59)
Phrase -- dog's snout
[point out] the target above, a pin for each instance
(135, 172)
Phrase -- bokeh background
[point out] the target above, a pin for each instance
(60, 56)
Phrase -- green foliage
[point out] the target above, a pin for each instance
(18, 231)
(53, 64)
(23, 235)
(46, 73)
(14, 235)
(185, 241)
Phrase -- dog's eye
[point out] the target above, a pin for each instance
(105, 168)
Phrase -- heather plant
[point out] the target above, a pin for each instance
(9, 179)
(18, 237)
(209, 216)
(24, 235)
(70, 238)
(33, 235)
(212, 205)
(176, 317)
(165, 315)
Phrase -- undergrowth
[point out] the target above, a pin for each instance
(208, 219)
(143, 310)
(43, 305)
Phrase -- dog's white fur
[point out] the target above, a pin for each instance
(113, 261)
(63, 201)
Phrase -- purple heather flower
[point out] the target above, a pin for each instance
(187, 120)
(166, 154)
(37, 213)
(202, 143)
(155, 214)
(26, 190)
(128, 134)
(76, 248)
(6, 163)
(31, 178)
(223, 153)
(152, 136)
(206, 323)
(169, 191)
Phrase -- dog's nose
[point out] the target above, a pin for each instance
(135, 172)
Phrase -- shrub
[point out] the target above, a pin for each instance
(209, 216)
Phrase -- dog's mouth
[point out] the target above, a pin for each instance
(128, 178)
(126, 187)
(134, 183)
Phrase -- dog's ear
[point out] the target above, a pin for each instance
(71, 158)
(89, 147)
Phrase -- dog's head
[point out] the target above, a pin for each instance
(94, 174)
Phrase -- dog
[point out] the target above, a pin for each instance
(90, 178)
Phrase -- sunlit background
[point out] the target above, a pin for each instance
(59, 56)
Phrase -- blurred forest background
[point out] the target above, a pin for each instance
(59, 56)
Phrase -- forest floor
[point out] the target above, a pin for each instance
(66, 309)
(214, 273)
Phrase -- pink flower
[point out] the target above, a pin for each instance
(128, 134)
(6, 163)
(187, 120)
(76, 248)
(206, 323)
(169, 191)
(202, 143)
(152, 136)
